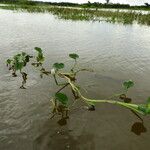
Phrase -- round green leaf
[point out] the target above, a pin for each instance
(73, 56)
(58, 65)
(61, 97)
(128, 84)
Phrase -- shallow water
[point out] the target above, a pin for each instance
(128, 10)
(115, 52)
(113, 9)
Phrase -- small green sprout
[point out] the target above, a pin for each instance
(128, 84)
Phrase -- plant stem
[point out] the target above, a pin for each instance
(137, 115)
(55, 79)
(62, 87)
(89, 70)
(133, 107)
(75, 63)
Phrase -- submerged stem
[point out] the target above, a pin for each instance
(62, 87)
(74, 66)
(55, 79)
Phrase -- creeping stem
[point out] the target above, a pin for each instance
(55, 79)
(75, 63)
(133, 107)
(62, 87)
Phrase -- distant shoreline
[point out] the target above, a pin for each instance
(95, 5)
(123, 16)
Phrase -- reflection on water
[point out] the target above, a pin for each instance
(62, 139)
(115, 52)
(138, 128)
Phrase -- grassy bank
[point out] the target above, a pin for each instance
(86, 14)
(97, 5)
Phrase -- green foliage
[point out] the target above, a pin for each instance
(128, 84)
(58, 66)
(84, 5)
(40, 57)
(145, 107)
(61, 97)
(18, 62)
(142, 108)
(8, 62)
(148, 105)
(74, 56)
(38, 49)
(124, 17)
(60, 100)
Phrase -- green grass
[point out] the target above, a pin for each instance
(86, 14)
(96, 5)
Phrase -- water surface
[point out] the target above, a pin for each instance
(116, 52)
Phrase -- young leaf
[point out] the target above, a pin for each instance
(38, 49)
(128, 84)
(61, 97)
(73, 56)
(18, 62)
(8, 61)
(18, 66)
(58, 65)
(40, 57)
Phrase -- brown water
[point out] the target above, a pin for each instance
(116, 53)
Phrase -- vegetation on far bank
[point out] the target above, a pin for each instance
(124, 17)
(97, 5)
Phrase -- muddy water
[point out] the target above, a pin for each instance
(114, 51)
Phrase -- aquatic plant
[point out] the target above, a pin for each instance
(128, 17)
(60, 101)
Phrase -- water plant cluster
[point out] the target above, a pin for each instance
(128, 17)
(61, 103)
